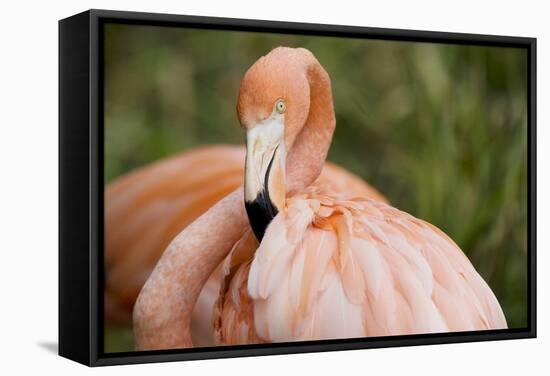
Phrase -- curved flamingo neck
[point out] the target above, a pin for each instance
(309, 151)
(162, 313)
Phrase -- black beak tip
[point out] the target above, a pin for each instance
(260, 212)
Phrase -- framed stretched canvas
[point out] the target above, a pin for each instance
(238, 187)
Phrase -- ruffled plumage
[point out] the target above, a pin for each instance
(333, 266)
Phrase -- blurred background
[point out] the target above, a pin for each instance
(440, 130)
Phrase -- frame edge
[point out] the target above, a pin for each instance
(74, 164)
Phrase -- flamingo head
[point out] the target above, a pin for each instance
(273, 106)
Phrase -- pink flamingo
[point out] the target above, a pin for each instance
(327, 265)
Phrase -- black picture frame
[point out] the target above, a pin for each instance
(81, 186)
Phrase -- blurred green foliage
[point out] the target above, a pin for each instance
(440, 129)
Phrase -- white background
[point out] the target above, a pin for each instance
(28, 186)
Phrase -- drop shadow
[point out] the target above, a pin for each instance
(51, 347)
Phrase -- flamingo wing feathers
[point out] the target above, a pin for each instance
(334, 267)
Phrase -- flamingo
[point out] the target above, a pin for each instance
(303, 261)
(147, 207)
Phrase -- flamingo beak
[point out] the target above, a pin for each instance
(265, 173)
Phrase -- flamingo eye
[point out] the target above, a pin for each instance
(280, 106)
